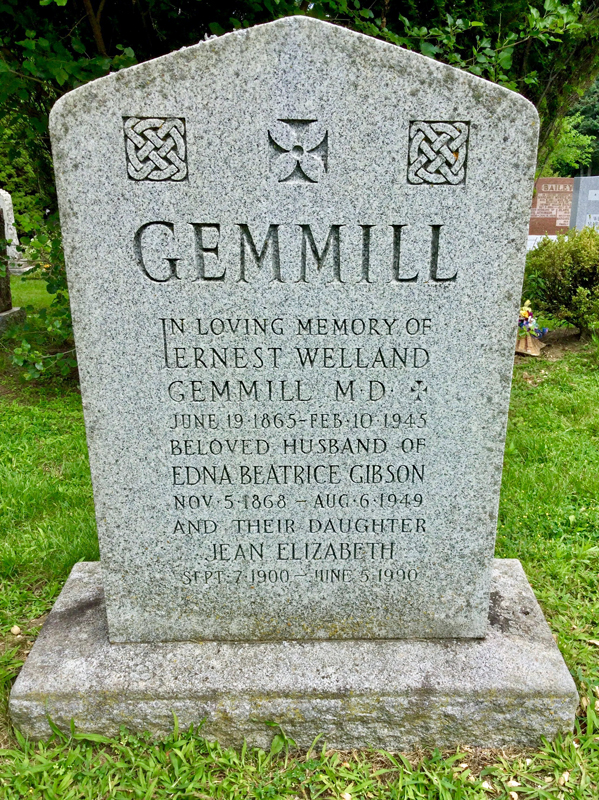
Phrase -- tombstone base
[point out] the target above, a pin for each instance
(508, 689)
(11, 317)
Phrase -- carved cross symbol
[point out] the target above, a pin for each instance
(299, 150)
(420, 388)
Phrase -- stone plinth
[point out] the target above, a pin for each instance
(508, 689)
(11, 317)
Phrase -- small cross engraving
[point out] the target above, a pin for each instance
(420, 388)
(299, 150)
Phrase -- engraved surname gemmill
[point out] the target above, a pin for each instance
(237, 390)
(168, 251)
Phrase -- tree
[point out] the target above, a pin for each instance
(584, 118)
(572, 149)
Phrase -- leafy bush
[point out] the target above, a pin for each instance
(570, 148)
(562, 278)
(43, 344)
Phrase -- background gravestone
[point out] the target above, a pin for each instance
(585, 203)
(9, 225)
(551, 206)
(295, 352)
(5, 295)
(8, 314)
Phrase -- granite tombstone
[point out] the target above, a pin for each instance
(8, 314)
(295, 419)
(551, 206)
(585, 203)
(295, 350)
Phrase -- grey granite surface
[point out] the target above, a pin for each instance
(509, 689)
(295, 257)
(585, 202)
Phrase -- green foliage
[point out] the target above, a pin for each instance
(43, 344)
(480, 45)
(548, 51)
(41, 57)
(562, 277)
(29, 291)
(187, 766)
(22, 175)
(549, 510)
(571, 150)
(586, 112)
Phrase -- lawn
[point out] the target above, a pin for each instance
(29, 291)
(549, 519)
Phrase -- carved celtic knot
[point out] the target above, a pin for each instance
(155, 148)
(299, 150)
(438, 152)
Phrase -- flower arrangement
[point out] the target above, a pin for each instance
(527, 324)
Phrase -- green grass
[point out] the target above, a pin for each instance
(549, 519)
(549, 513)
(186, 766)
(27, 291)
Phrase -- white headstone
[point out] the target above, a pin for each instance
(9, 224)
(295, 257)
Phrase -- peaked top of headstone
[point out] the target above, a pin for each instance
(293, 39)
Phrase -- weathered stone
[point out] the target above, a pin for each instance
(11, 317)
(347, 400)
(508, 689)
(9, 226)
(5, 293)
(8, 315)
